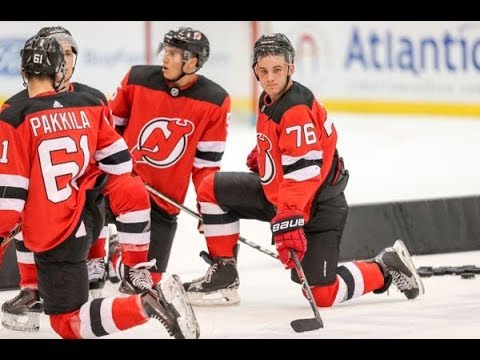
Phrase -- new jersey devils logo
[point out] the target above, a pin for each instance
(162, 141)
(268, 172)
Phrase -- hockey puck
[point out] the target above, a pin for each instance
(467, 276)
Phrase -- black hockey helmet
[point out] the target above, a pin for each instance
(42, 56)
(63, 36)
(273, 44)
(191, 40)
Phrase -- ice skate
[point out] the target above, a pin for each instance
(398, 267)
(22, 313)
(168, 303)
(97, 275)
(137, 278)
(218, 287)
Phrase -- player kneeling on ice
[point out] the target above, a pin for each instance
(58, 149)
(297, 184)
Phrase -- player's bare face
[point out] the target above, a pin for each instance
(272, 72)
(69, 61)
(172, 62)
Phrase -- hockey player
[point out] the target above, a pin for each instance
(175, 125)
(297, 184)
(57, 146)
(128, 200)
(96, 265)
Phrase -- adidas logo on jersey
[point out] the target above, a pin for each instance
(56, 104)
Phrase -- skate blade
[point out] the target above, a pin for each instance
(175, 294)
(29, 322)
(400, 247)
(225, 297)
(112, 276)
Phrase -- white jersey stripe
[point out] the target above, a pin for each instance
(117, 169)
(12, 204)
(303, 174)
(114, 148)
(211, 146)
(14, 181)
(311, 155)
(201, 163)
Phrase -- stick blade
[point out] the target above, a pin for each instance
(302, 325)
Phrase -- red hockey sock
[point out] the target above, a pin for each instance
(28, 275)
(372, 275)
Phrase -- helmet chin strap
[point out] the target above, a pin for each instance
(58, 86)
(288, 80)
(182, 73)
(67, 81)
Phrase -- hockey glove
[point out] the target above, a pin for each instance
(287, 230)
(252, 163)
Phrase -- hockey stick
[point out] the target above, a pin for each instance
(198, 217)
(7, 240)
(11, 235)
(301, 325)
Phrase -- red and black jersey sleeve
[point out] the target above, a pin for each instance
(112, 152)
(14, 173)
(121, 102)
(210, 148)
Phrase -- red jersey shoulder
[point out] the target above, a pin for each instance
(79, 87)
(297, 95)
(20, 96)
(149, 76)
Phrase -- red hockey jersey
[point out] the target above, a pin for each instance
(51, 149)
(296, 144)
(171, 132)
